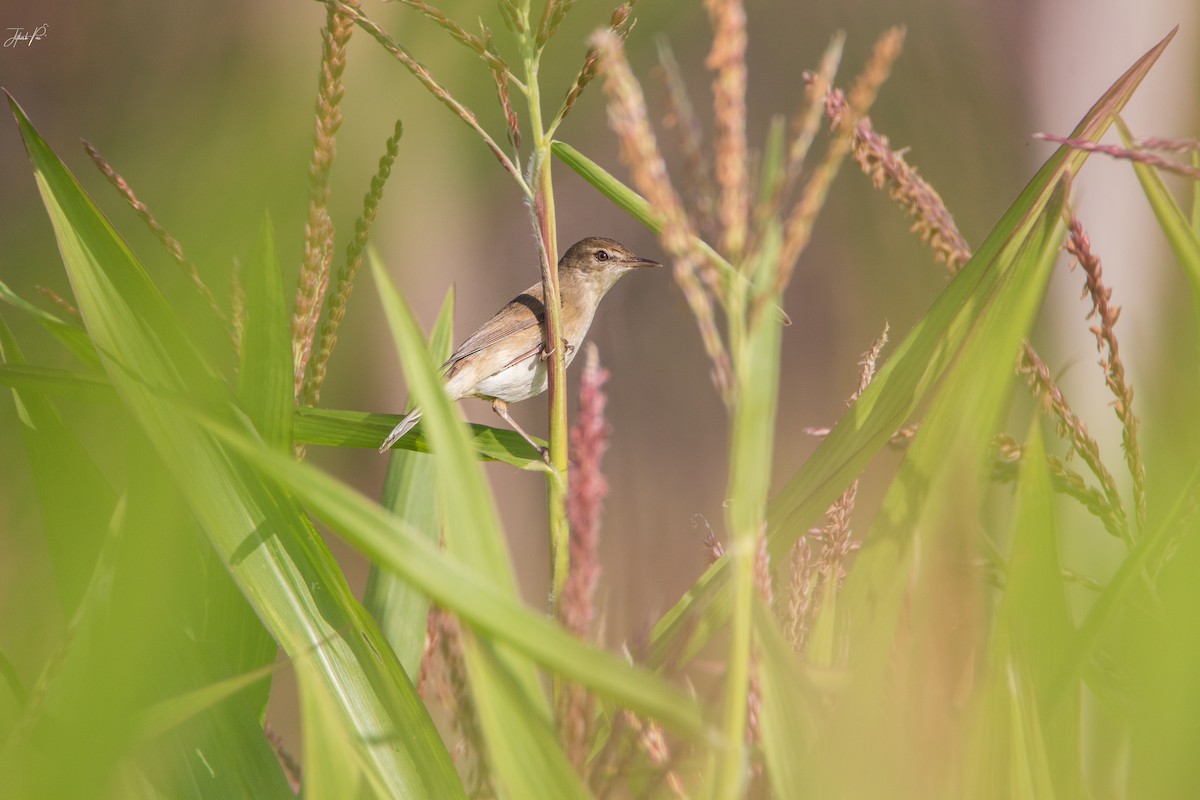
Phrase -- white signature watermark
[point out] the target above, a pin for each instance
(26, 37)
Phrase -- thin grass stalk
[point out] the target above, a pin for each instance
(476, 44)
(620, 24)
(798, 229)
(801, 595)
(502, 78)
(807, 121)
(1065, 481)
(680, 118)
(59, 301)
(1124, 154)
(553, 13)
(1073, 431)
(727, 60)
(318, 229)
(1080, 246)
(335, 305)
(1169, 145)
(237, 306)
(172, 245)
(426, 79)
(836, 545)
(887, 168)
(627, 118)
(291, 767)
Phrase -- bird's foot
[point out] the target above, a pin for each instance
(545, 354)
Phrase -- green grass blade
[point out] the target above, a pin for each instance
(512, 708)
(630, 201)
(174, 711)
(265, 388)
(492, 613)
(410, 492)
(1182, 237)
(277, 559)
(334, 428)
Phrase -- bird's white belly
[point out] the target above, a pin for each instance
(521, 381)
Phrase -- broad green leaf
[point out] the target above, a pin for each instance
(277, 559)
(907, 380)
(490, 612)
(523, 751)
(265, 390)
(323, 426)
(410, 491)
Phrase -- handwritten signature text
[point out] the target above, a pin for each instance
(26, 37)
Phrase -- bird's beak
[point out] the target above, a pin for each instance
(642, 262)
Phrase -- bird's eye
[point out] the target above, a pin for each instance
(602, 255)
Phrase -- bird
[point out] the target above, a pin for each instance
(504, 361)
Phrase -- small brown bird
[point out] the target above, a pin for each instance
(504, 360)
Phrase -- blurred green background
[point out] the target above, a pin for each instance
(207, 110)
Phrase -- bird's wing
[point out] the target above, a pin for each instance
(525, 311)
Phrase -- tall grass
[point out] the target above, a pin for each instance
(941, 647)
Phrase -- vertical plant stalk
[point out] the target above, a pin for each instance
(585, 501)
(335, 303)
(318, 229)
(541, 185)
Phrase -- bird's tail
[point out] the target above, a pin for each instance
(407, 424)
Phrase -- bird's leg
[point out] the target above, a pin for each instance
(545, 354)
(501, 408)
